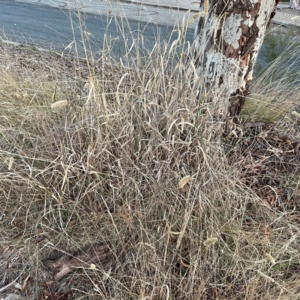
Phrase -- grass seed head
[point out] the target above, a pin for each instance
(210, 242)
(59, 104)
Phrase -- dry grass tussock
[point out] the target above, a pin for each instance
(129, 159)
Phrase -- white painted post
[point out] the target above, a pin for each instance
(227, 41)
(294, 4)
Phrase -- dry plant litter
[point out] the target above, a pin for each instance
(117, 182)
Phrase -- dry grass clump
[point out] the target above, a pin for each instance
(129, 159)
(276, 90)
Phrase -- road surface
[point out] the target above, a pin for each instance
(50, 27)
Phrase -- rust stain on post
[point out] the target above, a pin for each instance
(227, 42)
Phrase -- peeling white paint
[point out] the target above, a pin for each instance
(232, 30)
(214, 64)
(266, 7)
(249, 22)
(226, 68)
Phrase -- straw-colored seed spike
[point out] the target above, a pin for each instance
(196, 16)
(200, 14)
(184, 181)
(206, 6)
(265, 276)
(295, 114)
(294, 18)
(59, 104)
(210, 241)
(270, 258)
(10, 163)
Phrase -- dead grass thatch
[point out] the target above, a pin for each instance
(95, 155)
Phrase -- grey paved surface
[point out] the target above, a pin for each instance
(164, 12)
(49, 27)
(150, 12)
(46, 23)
(286, 16)
(192, 5)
